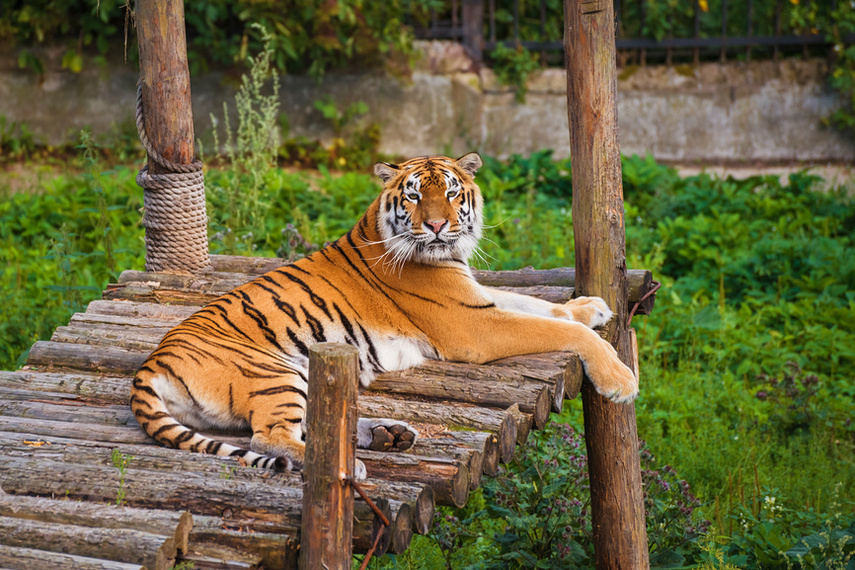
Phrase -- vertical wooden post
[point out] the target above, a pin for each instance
(620, 536)
(326, 538)
(176, 226)
(165, 80)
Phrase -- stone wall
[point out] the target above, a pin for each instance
(758, 111)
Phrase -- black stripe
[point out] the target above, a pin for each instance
(275, 390)
(301, 346)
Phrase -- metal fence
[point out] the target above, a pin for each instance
(685, 30)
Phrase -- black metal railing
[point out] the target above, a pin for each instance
(688, 30)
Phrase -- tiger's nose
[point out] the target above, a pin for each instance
(437, 225)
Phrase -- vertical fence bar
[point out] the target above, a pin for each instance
(642, 7)
(543, 30)
(750, 29)
(697, 54)
(326, 537)
(805, 50)
(453, 14)
(723, 31)
(617, 502)
(493, 21)
(776, 47)
(668, 50)
(473, 22)
(517, 22)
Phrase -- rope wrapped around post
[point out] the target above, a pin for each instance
(175, 220)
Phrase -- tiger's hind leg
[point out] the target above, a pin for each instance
(276, 420)
(380, 434)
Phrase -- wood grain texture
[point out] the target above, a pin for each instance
(620, 538)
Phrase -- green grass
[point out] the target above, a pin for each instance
(747, 362)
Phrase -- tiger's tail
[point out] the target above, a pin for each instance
(152, 414)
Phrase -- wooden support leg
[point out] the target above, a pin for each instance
(327, 529)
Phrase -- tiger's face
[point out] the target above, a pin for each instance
(430, 209)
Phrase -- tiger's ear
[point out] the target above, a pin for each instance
(470, 163)
(386, 171)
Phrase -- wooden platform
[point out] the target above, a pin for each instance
(71, 451)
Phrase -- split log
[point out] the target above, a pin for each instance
(402, 526)
(500, 422)
(174, 525)
(110, 388)
(218, 557)
(150, 293)
(448, 478)
(156, 552)
(17, 557)
(109, 335)
(105, 359)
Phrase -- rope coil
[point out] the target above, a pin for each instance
(176, 223)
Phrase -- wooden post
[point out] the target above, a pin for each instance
(176, 226)
(326, 538)
(620, 536)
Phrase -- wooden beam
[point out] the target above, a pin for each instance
(326, 540)
(617, 506)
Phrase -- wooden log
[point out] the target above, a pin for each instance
(523, 422)
(154, 551)
(149, 293)
(275, 551)
(327, 529)
(487, 442)
(420, 497)
(107, 335)
(74, 411)
(52, 356)
(448, 478)
(365, 529)
(176, 525)
(89, 386)
(41, 428)
(500, 422)
(251, 505)
(617, 502)
(17, 557)
(493, 386)
(639, 281)
(172, 313)
(450, 447)
(402, 526)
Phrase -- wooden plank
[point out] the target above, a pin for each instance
(96, 432)
(53, 356)
(115, 389)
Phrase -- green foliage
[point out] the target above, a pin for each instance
(842, 76)
(513, 66)
(17, 141)
(121, 462)
(311, 36)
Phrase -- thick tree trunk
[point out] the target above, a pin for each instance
(620, 538)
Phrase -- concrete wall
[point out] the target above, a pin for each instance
(761, 111)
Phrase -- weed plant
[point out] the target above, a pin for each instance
(747, 362)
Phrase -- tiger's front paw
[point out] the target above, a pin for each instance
(379, 434)
(611, 377)
(590, 311)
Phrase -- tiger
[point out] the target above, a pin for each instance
(397, 286)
